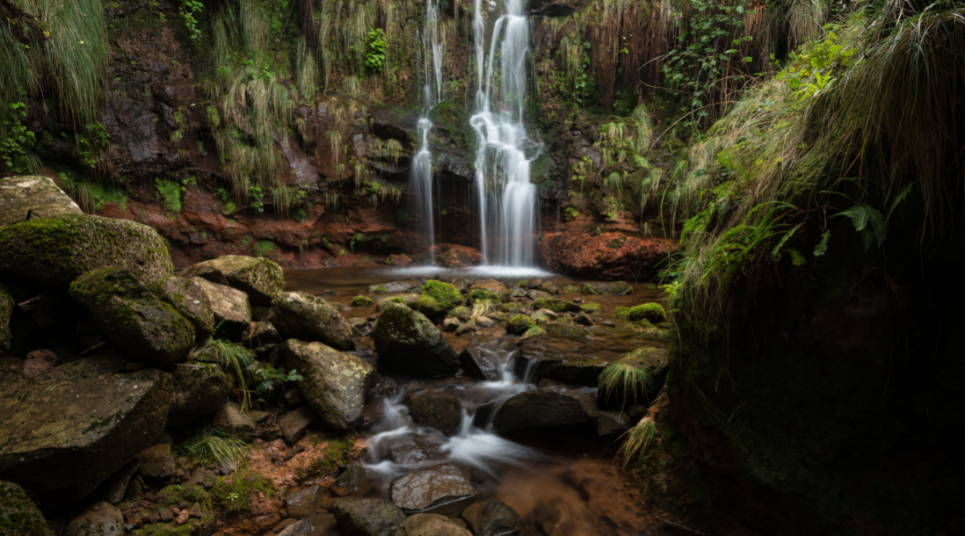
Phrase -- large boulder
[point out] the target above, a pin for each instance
(408, 342)
(260, 278)
(22, 198)
(232, 312)
(18, 514)
(430, 525)
(141, 325)
(333, 383)
(6, 309)
(198, 390)
(188, 298)
(100, 519)
(51, 253)
(491, 518)
(367, 517)
(544, 408)
(68, 430)
(441, 489)
(302, 316)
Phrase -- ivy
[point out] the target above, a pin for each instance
(17, 140)
(375, 59)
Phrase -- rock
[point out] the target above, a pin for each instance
(468, 327)
(450, 324)
(651, 312)
(156, 461)
(430, 525)
(484, 322)
(574, 369)
(70, 429)
(488, 284)
(261, 279)
(410, 300)
(189, 300)
(550, 288)
(116, 486)
(52, 253)
(101, 519)
(6, 310)
(232, 420)
(18, 514)
(407, 341)
(480, 363)
(39, 362)
(354, 480)
(620, 288)
(398, 260)
(302, 504)
(394, 287)
(544, 407)
(259, 334)
(367, 517)
(134, 319)
(202, 477)
(605, 257)
(652, 361)
(441, 489)
(519, 324)
(556, 305)
(611, 423)
(565, 331)
(362, 301)
(304, 317)
(198, 390)
(317, 525)
(583, 319)
(230, 306)
(456, 256)
(32, 197)
(294, 424)
(333, 383)
(439, 410)
(491, 518)
(438, 298)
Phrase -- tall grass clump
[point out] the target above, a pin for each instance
(638, 440)
(233, 358)
(625, 383)
(213, 445)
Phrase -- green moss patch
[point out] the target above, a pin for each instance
(232, 494)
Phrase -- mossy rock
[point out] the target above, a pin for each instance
(35, 196)
(556, 305)
(261, 279)
(18, 514)
(362, 301)
(566, 331)
(483, 295)
(621, 288)
(408, 342)
(133, 318)
(588, 289)
(653, 361)
(188, 298)
(651, 312)
(438, 298)
(572, 369)
(232, 311)
(173, 497)
(591, 308)
(409, 300)
(518, 324)
(232, 495)
(333, 383)
(6, 309)
(301, 316)
(51, 253)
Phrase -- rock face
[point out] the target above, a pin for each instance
(441, 489)
(302, 316)
(18, 514)
(430, 525)
(367, 517)
(491, 518)
(101, 519)
(408, 342)
(68, 430)
(51, 253)
(188, 298)
(142, 326)
(198, 390)
(34, 195)
(607, 257)
(543, 408)
(261, 279)
(6, 309)
(333, 383)
(442, 411)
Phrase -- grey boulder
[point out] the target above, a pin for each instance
(442, 489)
(333, 383)
(543, 408)
(367, 517)
(302, 316)
(259, 278)
(33, 197)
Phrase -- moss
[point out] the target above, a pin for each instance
(523, 283)
(380, 290)
(518, 324)
(556, 305)
(18, 514)
(339, 452)
(622, 312)
(588, 289)
(264, 247)
(591, 307)
(652, 312)
(232, 494)
(445, 295)
(362, 301)
(483, 295)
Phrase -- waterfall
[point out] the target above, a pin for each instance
(420, 178)
(507, 199)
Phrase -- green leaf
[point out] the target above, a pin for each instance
(796, 258)
(822, 246)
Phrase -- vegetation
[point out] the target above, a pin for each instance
(639, 439)
(625, 383)
(215, 446)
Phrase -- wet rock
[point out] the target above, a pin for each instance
(39, 362)
(468, 327)
(293, 425)
(407, 341)
(410, 300)
(116, 486)
(304, 317)
(438, 298)
(441, 489)
(456, 256)
(133, 318)
(430, 525)
(261, 279)
(31, 197)
(611, 423)
(230, 306)
(395, 287)
(398, 260)
(354, 480)
(439, 410)
(6, 310)
(101, 519)
(156, 461)
(545, 407)
(480, 363)
(367, 517)
(77, 425)
(616, 288)
(232, 420)
(198, 390)
(333, 383)
(573, 369)
(605, 257)
(18, 514)
(491, 518)
(484, 322)
(302, 504)
(189, 300)
(52, 253)
(410, 450)
(317, 525)
(550, 287)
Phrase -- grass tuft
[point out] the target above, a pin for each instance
(625, 383)
(216, 446)
(638, 440)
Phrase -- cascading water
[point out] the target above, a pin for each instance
(507, 199)
(421, 174)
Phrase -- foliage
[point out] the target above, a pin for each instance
(214, 445)
(624, 383)
(232, 494)
(189, 11)
(639, 440)
(232, 357)
(169, 192)
(375, 59)
(15, 140)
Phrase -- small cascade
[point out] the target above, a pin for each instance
(421, 177)
(507, 199)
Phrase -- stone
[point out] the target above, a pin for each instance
(230, 306)
(293, 425)
(259, 334)
(333, 383)
(480, 363)
(72, 428)
(302, 316)
(354, 480)
(367, 517)
(100, 519)
(617, 288)
(317, 525)
(565, 331)
(430, 525)
(488, 284)
(133, 318)
(408, 342)
(18, 514)
(39, 362)
(202, 477)
(611, 423)
(199, 390)
(261, 279)
(116, 486)
(232, 420)
(450, 324)
(438, 298)
(52, 253)
(32, 196)
(556, 305)
(651, 312)
(468, 327)
(485, 322)
(156, 461)
(188, 298)
(545, 407)
(491, 518)
(409, 300)
(441, 490)
(604, 257)
(394, 287)
(583, 319)
(573, 369)
(302, 504)
(439, 410)
(398, 260)
(519, 324)
(456, 256)
(6, 310)
(550, 288)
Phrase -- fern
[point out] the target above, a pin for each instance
(869, 222)
(822, 246)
